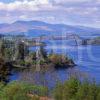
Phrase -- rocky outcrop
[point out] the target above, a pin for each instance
(94, 41)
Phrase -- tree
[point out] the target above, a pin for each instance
(21, 52)
(60, 61)
(2, 49)
(87, 91)
(74, 89)
(43, 52)
(68, 90)
(5, 69)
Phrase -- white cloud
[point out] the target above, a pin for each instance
(24, 5)
(70, 1)
(72, 11)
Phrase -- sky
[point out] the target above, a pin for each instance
(71, 12)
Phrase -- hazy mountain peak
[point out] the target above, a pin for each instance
(37, 28)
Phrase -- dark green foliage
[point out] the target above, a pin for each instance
(7, 49)
(43, 52)
(2, 49)
(60, 61)
(73, 89)
(5, 69)
(98, 96)
(21, 91)
(22, 62)
(21, 51)
(87, 91)
(33, 56)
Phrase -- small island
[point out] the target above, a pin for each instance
(16, 54)
(93, 41)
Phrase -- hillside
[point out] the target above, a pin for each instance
(38, 28)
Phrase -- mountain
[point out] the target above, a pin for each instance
(38, 28)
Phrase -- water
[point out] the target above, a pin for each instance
(87, 59)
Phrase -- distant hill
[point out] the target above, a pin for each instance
(38, 28)
(95, 41)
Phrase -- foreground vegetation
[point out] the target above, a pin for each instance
(72, 89)
(21, 91)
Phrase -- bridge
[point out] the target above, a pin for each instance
(74, 37)
(37, 41)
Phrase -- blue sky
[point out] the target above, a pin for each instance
(74, 12)
(6, 1)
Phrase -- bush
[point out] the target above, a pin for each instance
(67, 91)
(60, 60)
(21, 91)
(73, 89)
(87, 91)
(22, 62)
(5, 69)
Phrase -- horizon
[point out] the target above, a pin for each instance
(67, 12)
(50, 23)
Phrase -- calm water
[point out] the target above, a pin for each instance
(87, 59)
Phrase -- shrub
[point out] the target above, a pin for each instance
(22, 91)
(60, 60)
(68, 90)
(5, 69)
(73, 89)
(87, 91)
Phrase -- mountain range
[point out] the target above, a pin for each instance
(38, 28)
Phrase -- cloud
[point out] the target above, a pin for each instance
(24, 5)
(83, 12)
(71, 1)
